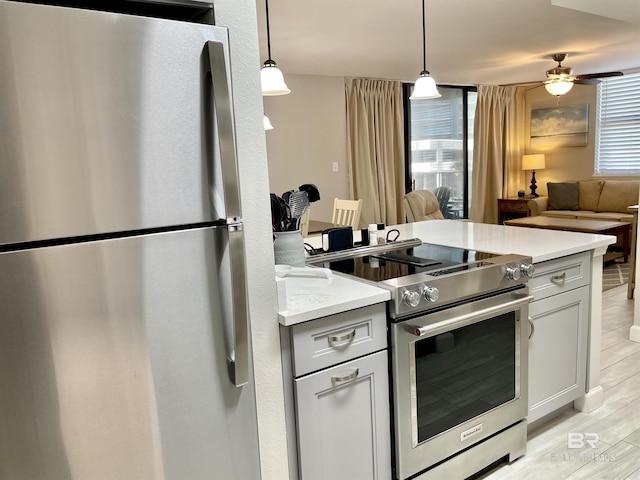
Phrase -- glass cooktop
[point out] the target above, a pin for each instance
(394, 263)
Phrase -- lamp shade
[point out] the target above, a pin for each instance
(425, 88)
(558, 87)
(534, 161)
(267, 123)
(272, 80)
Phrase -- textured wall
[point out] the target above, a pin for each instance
(240, 17)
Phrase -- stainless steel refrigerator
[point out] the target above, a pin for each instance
(124, 351)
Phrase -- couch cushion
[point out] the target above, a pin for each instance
(590, 194)
(605, 216)
(617, 196)
(563, 195)
(560, 213)
(589, 215)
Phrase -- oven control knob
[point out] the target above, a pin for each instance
(411, 298)
(513, 273)
(431, 294)
(527, 269)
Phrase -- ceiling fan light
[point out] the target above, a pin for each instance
(425, 88)
(558, 87)
(272, 80)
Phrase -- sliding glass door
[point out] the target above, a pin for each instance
(439, 147)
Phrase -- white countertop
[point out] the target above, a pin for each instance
(308, 298)
(537, 243)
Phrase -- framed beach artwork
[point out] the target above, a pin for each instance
(565, 126)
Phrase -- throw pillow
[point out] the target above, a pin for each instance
(563, 195)
(590, 194)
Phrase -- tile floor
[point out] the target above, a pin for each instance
(613, 429)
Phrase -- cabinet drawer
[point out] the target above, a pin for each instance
(560, 275)
(520, 207)
(330, 340)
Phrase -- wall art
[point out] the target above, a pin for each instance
(566, 126)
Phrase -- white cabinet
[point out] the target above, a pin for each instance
(343, 421)
(336, 374)
(559, 337)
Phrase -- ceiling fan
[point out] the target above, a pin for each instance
(560, 80)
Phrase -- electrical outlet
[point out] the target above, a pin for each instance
(334, 167)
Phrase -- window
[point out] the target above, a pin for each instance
(618, 132)
(439, 146)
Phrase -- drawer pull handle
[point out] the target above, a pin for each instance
(347, 337)
(345, 378)
(533, 328)
(558, 278)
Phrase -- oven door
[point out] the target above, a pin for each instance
(459, 376)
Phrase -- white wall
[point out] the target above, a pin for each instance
(309, 135)
(240, 17)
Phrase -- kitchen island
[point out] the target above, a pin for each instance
(542, 246)
(567, 313)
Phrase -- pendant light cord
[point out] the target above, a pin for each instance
(266, 2)
(424, 38)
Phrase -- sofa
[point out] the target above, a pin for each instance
(590, 199)
(607, 200)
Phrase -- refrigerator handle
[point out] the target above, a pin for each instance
(239, 358)
(219, 67)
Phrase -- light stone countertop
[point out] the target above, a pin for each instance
(308, 298)
(538, 243)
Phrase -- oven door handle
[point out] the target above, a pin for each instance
(468, 318)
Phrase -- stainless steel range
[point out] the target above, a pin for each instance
(458, 322)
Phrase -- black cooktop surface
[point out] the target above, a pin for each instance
(395, 263)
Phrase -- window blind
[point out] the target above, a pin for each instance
(618, 134)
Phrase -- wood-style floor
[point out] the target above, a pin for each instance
(614, 428)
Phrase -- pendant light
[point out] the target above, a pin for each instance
(270, 76)
(267, 123)
(425, 86)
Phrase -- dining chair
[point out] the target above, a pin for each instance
(346, 213)
(304, 223)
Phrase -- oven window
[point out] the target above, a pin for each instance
(463, 373)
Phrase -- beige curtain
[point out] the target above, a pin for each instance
(497, 149)
(375, 142)
(515, 143)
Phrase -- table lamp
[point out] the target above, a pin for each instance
(533, 162)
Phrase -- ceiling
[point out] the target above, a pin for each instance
(468, 41)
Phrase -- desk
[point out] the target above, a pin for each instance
(316, 226)
(580, 225)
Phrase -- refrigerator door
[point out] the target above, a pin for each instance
(108, 123)
(113, 363)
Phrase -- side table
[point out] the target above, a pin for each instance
(514, 207)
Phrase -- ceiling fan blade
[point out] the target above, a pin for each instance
(521, 84)
(587, 81)
(588, 76)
